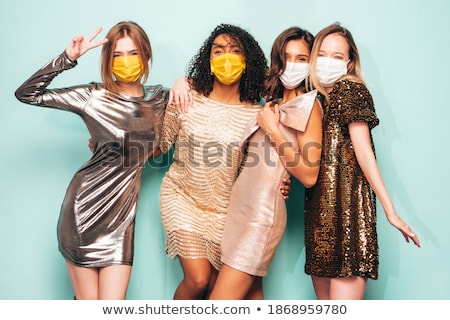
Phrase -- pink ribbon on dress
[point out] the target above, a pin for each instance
(294, 114)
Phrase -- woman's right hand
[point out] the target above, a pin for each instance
(268, 118)
(79, 45)
(91, 144)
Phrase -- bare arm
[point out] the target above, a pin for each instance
(180, 94)
(303, 164)
(360, 137)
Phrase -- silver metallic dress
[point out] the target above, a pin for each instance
(256, 216)
(96, 223)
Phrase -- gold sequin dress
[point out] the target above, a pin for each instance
(96, 222)
(340, 210)
(196, 189)
(256, 217)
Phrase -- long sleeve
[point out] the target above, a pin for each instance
(34, 90)
(170, 128)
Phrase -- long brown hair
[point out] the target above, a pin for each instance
(140, 39)
(273, 86)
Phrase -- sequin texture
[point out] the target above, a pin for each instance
(340, 210)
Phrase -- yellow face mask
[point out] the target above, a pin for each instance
(127, 69)
(228, 68)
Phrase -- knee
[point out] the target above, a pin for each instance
(198, 282)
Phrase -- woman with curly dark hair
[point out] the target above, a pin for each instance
(226, 77)
(252, 80)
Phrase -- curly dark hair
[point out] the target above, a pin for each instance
(273, 89)
(252, 81)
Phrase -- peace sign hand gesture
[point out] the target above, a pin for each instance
(79, 45)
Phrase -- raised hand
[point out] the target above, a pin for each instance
(79, 45)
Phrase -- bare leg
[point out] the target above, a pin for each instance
(84, 281)
(351, 288)
(197, 273)
(231, 284)
(212, 282)
(114, 282)
(256, 290)
(321, 287)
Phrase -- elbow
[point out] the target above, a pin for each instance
(310, 179)
(19, 95)
(27, 95)
(22, 96)
(310, 182)
(164, 147)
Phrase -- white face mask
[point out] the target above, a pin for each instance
(294, 74)
(330, 70)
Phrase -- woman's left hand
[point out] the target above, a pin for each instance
(405, 229)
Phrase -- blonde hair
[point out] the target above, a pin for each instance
(140, 39)
(353, 74)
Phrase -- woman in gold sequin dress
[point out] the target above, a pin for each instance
(124, 118)
(283, 142)
(226, 76)
(340, 210)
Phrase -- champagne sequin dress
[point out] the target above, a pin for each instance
(340, 210)
(96, 224)
(196, 189)
(256, 217)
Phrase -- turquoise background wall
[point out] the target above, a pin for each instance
(405, 51)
